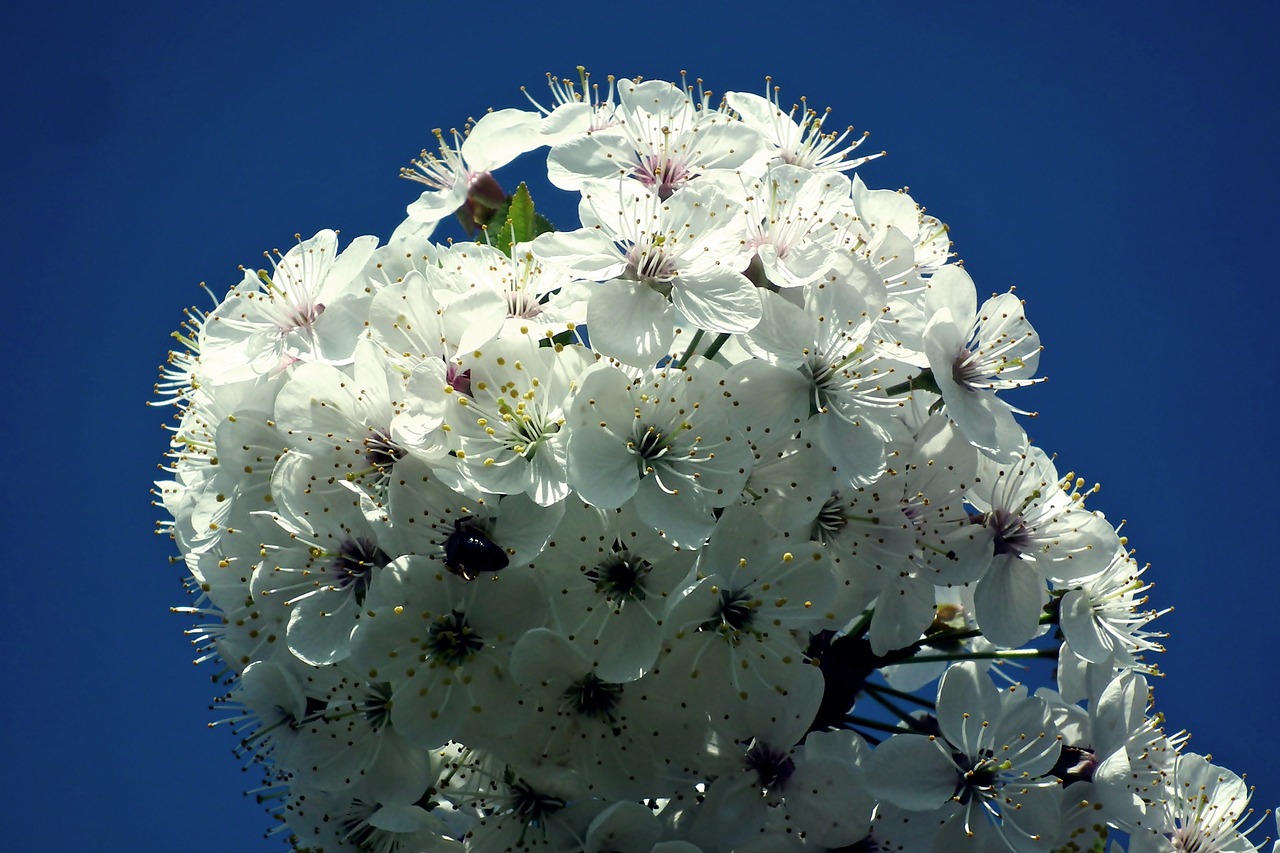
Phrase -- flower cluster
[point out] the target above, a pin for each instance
(622, 536)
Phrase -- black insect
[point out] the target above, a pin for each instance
(467, 551)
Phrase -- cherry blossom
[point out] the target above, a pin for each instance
(700, 525)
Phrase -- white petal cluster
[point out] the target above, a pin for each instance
(616, 537)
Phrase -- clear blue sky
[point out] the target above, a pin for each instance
(1115, 162)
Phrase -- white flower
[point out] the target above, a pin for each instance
(815, 788)
(1130, 755)
(495, 140)
(790, 215)
(574, 112)
(835, 386)
(630, 828)
(1101, 620)
(597, 728)
(360, 819)
(734, 655)
(540, 301)
(895, 235)
(350, 739)
(609, 577)
(1039, 534)
(506, 431)
(347, 421)
(443, 643)
(603, 540)
(323, 563)
(663, 439)
(660, 137)
(906, 533)
(434, 314)
(310, 307)
(469, 532)
(1205, 808)
(975, 353)
(986, 771)
(799, 142)
(653, 257)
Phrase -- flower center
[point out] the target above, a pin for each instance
(979, 776)
(832, 518)
(381, 452)
(832, 375)
(377, 707)
(1189, 839)
(649, 261)
(523, 304)
(736, 612)
(966, 370)
(299, 316)
(353, 567)
(593, 698)
(619, 577)
(1011, 534)
(662, 172)
(772, 767)
(452, 641)
(533, 807)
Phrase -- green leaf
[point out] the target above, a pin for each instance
(516, 221)
(521, 214)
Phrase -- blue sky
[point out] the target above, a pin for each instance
(1116, 165)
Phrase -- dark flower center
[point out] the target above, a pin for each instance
(1011, 534)
(831, 518)
(300, 316)
(651, 445)
(451, 640)
(533, 807)
(377, 706)
(649, 261)
(978, 776)
(772, 767)
(521, 303)
(354, 566)
(381, 452)
(619, 576)
(734, 612)
(966, 371)
(594, 698)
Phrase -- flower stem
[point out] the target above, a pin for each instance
(923, 381)
(906, 718)
(690, 350)
(864, 622)
(999, 654)
(901, 694)
(878, 726)
(720, 341)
